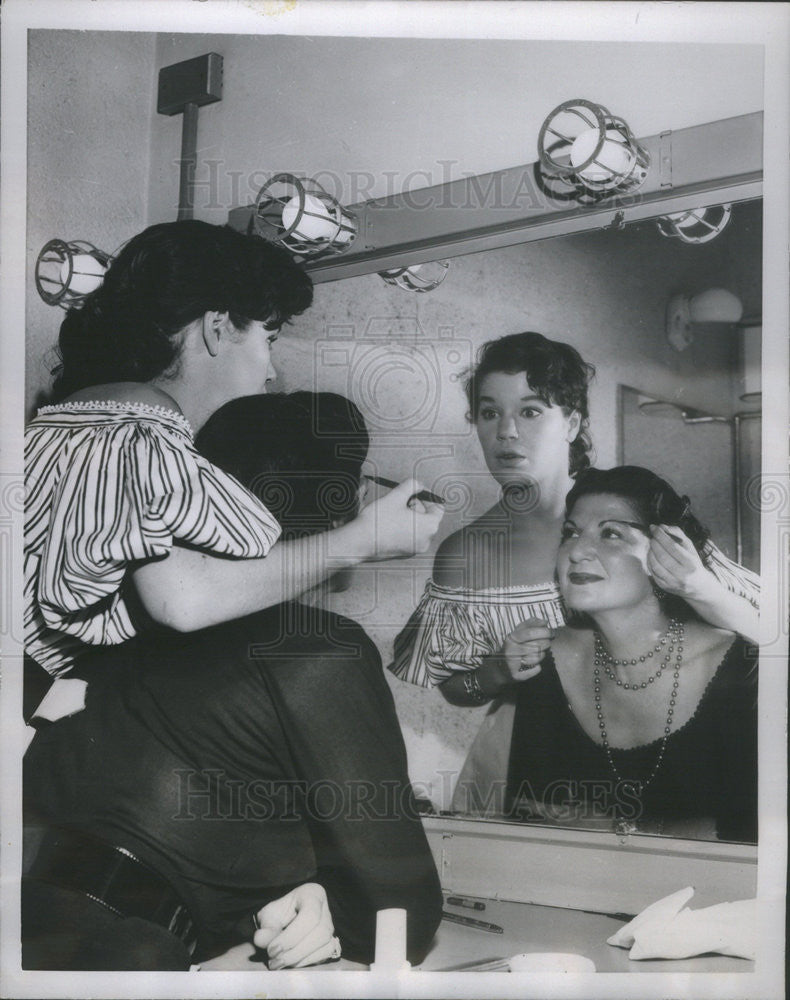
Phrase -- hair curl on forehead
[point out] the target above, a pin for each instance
(556, 373)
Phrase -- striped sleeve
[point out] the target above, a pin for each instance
(452, 630)
(735, 578)
(126, 493)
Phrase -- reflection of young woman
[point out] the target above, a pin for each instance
(639, 711)
(253, 767)
(528, 401)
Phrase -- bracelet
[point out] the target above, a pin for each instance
(473, 690)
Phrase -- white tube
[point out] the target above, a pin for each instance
(390, 941)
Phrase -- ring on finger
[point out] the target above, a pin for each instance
(524, 664)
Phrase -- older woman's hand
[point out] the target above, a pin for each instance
(675, 564)
(297, 929)
(525, 647)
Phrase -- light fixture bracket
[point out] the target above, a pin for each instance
(417, 277)
(584, 148)
(678, 322)
(59, 282)
(301, 216)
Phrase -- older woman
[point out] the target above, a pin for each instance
(528, 402)
(640, 712)
(252, 771)
(127, 526)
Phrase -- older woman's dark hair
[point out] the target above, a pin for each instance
(300, 453)
(555, 372)
(162, 280)
(652, 498)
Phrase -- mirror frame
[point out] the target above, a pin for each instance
(584, 869)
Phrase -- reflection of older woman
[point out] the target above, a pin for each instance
(640, 711)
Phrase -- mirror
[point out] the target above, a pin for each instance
(719, 454)
(402, 357)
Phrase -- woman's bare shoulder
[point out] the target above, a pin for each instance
(451, 567)
(701, 639)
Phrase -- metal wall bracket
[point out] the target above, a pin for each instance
(183, 88)
(665, 159)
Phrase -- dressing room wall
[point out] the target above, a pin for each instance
(375, 116)
(90, 100)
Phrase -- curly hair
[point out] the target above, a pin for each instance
(162, 280)
(556, 373)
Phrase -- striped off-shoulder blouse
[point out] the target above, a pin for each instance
(108, 484)
(453, 628)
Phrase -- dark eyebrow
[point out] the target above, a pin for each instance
(523, 399)
(631, 524)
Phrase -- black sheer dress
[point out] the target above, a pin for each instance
(709, 768)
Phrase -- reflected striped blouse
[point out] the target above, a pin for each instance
(108, 484)
(453, 628)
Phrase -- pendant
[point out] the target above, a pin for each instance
(632, 789)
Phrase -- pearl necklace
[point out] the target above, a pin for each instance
(607, 661)
(670, 709)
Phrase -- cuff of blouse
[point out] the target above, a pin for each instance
(473, 689)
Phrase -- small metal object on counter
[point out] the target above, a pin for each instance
(470, 904)
(480, 925)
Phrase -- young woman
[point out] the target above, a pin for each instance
(249, 773)
(528, 402)
(640, 712)
(126, 525)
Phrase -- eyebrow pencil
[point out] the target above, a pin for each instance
(425, 495)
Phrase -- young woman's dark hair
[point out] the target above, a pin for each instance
(162, 280)
(653, 501)
(555, 372)
(301, 454)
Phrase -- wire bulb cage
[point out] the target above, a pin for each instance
(584, 148)
(696, 225)
(301, 216)
(417, 277)
(68, 271)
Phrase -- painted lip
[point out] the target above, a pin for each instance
(582, 578)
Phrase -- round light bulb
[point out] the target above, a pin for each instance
(613, 161)
(87, 274)
(318, 225)
(716, 305)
